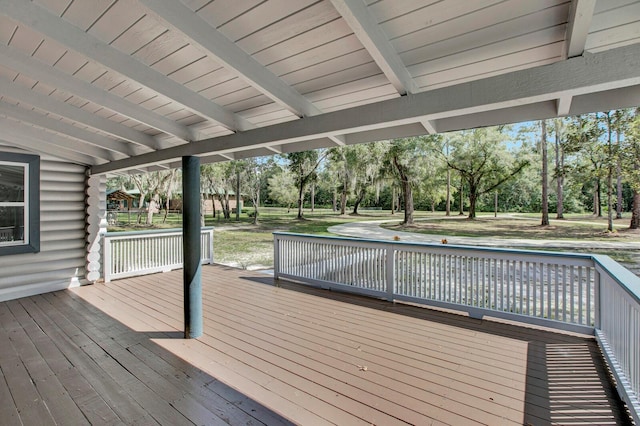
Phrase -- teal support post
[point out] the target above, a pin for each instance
(191, 247)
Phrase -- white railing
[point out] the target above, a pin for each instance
(575, 292)
(549, 288)
(619, 330)
(128, 254)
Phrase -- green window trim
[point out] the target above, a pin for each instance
(31, 204)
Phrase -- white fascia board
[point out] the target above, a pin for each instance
(56, 28)
(214, 44)
(576, 76)
(29, 66)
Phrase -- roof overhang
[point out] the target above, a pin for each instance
(133, 86)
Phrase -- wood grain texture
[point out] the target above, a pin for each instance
(276, 353)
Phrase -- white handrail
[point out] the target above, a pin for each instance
(128, 254)
(576, 292)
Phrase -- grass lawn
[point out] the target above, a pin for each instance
(245, 245)
(575, 227)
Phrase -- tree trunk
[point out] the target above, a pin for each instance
(238, 195)
(545, 172)
(599, 197)
(343, 199)
(300, 200)
(461, 197)
(610, 199)
(256, 205)
(619, 201)
(406, 191)
(448, 202)
(635, 211)
(473, 198)
(393, 200)
(559, 174)
(408, 202)
(609, 174)
(358, 201)
(313, 196)
(334, 201)
(225, 205)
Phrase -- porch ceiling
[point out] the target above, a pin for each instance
(129, 85)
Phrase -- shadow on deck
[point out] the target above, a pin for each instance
(274, 354)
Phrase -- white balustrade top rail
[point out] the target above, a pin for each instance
(575, 292)
(128, 254)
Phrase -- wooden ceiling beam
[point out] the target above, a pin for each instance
(364, 26)
(580, 16)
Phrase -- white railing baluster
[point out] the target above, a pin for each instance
(145, 252)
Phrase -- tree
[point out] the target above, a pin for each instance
(282, 188)
(630, 162)
(217, 181)
(583, 134)
(447, 209)
(480, 156)
(253, 174)
(339, 158)
(560, 172)
(366, 162)
(153, 183)
(303, 165)
(405, 161)
(621, 121)
(545, 179)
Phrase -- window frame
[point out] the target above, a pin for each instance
(31, 204)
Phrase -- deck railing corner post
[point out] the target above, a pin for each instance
(597, 295)
(106, 258)
(210, 246)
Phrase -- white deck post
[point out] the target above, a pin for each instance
(390, 273)
(96, 223)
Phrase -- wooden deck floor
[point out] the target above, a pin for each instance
(113, 354)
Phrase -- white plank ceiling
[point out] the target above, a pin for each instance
(136, 84)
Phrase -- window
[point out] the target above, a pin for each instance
(19, 203)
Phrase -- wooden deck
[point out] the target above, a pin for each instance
(113, 354)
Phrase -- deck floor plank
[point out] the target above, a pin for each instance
(276, 354)
(108, 391)
(43, 364)
(199, 403)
